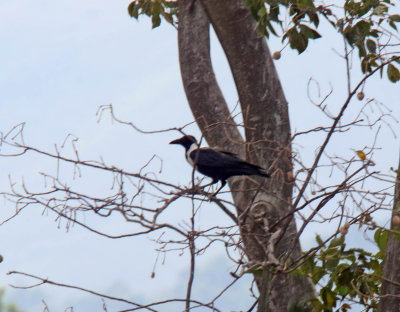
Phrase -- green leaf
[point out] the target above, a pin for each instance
(363, 10)
(374, 33)
(317, 274)
(395, 17)
(393, 73)
(262, 12)
(168, 17)
(305, 4)
(330, 253)
(393, 25)
(376, 266)
(274, 14)
(297, 40)
(365, 66)
(308, 265)
(332, 263)
(357, 33)
(328, 297)
(270, 27)
(342, 290)
(309, 32)
(381, 237)
(363, 27)
(155, 20)
(380, 10)
(170, 4)
(313, 17)
(319, 239)
(361, 49)
(317, 305)
(364, 286)
(371, 46)
(345, 276)
(337, 241)
(133, 9)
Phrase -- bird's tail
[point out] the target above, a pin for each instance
(264, 173)
(250, 169)
(260, 172)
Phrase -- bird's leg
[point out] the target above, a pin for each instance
(223, 182)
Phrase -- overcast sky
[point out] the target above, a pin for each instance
(60, 60)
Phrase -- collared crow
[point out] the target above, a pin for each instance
(218, 165)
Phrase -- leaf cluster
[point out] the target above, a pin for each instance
(362, 25)
(344, 276)
(302, 12)
(154, 9)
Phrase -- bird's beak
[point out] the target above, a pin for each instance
(177, 141)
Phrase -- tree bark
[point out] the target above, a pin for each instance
(202, 91)
(259, 203)
(390, 290)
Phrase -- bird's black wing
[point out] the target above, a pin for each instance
(221, 165)
(212, 158)
(228, 153)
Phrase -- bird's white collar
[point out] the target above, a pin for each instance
(192, 147)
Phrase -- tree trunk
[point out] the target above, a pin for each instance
(259, 203)
(390, 290)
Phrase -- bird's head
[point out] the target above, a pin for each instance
(186, 141)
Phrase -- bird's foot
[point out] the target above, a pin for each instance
(199, 189)
(211, 196)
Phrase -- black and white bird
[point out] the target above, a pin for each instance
(218, 165)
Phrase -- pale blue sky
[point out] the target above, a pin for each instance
(60, 60)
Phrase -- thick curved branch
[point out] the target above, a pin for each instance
(203, 93)
(264, 107)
